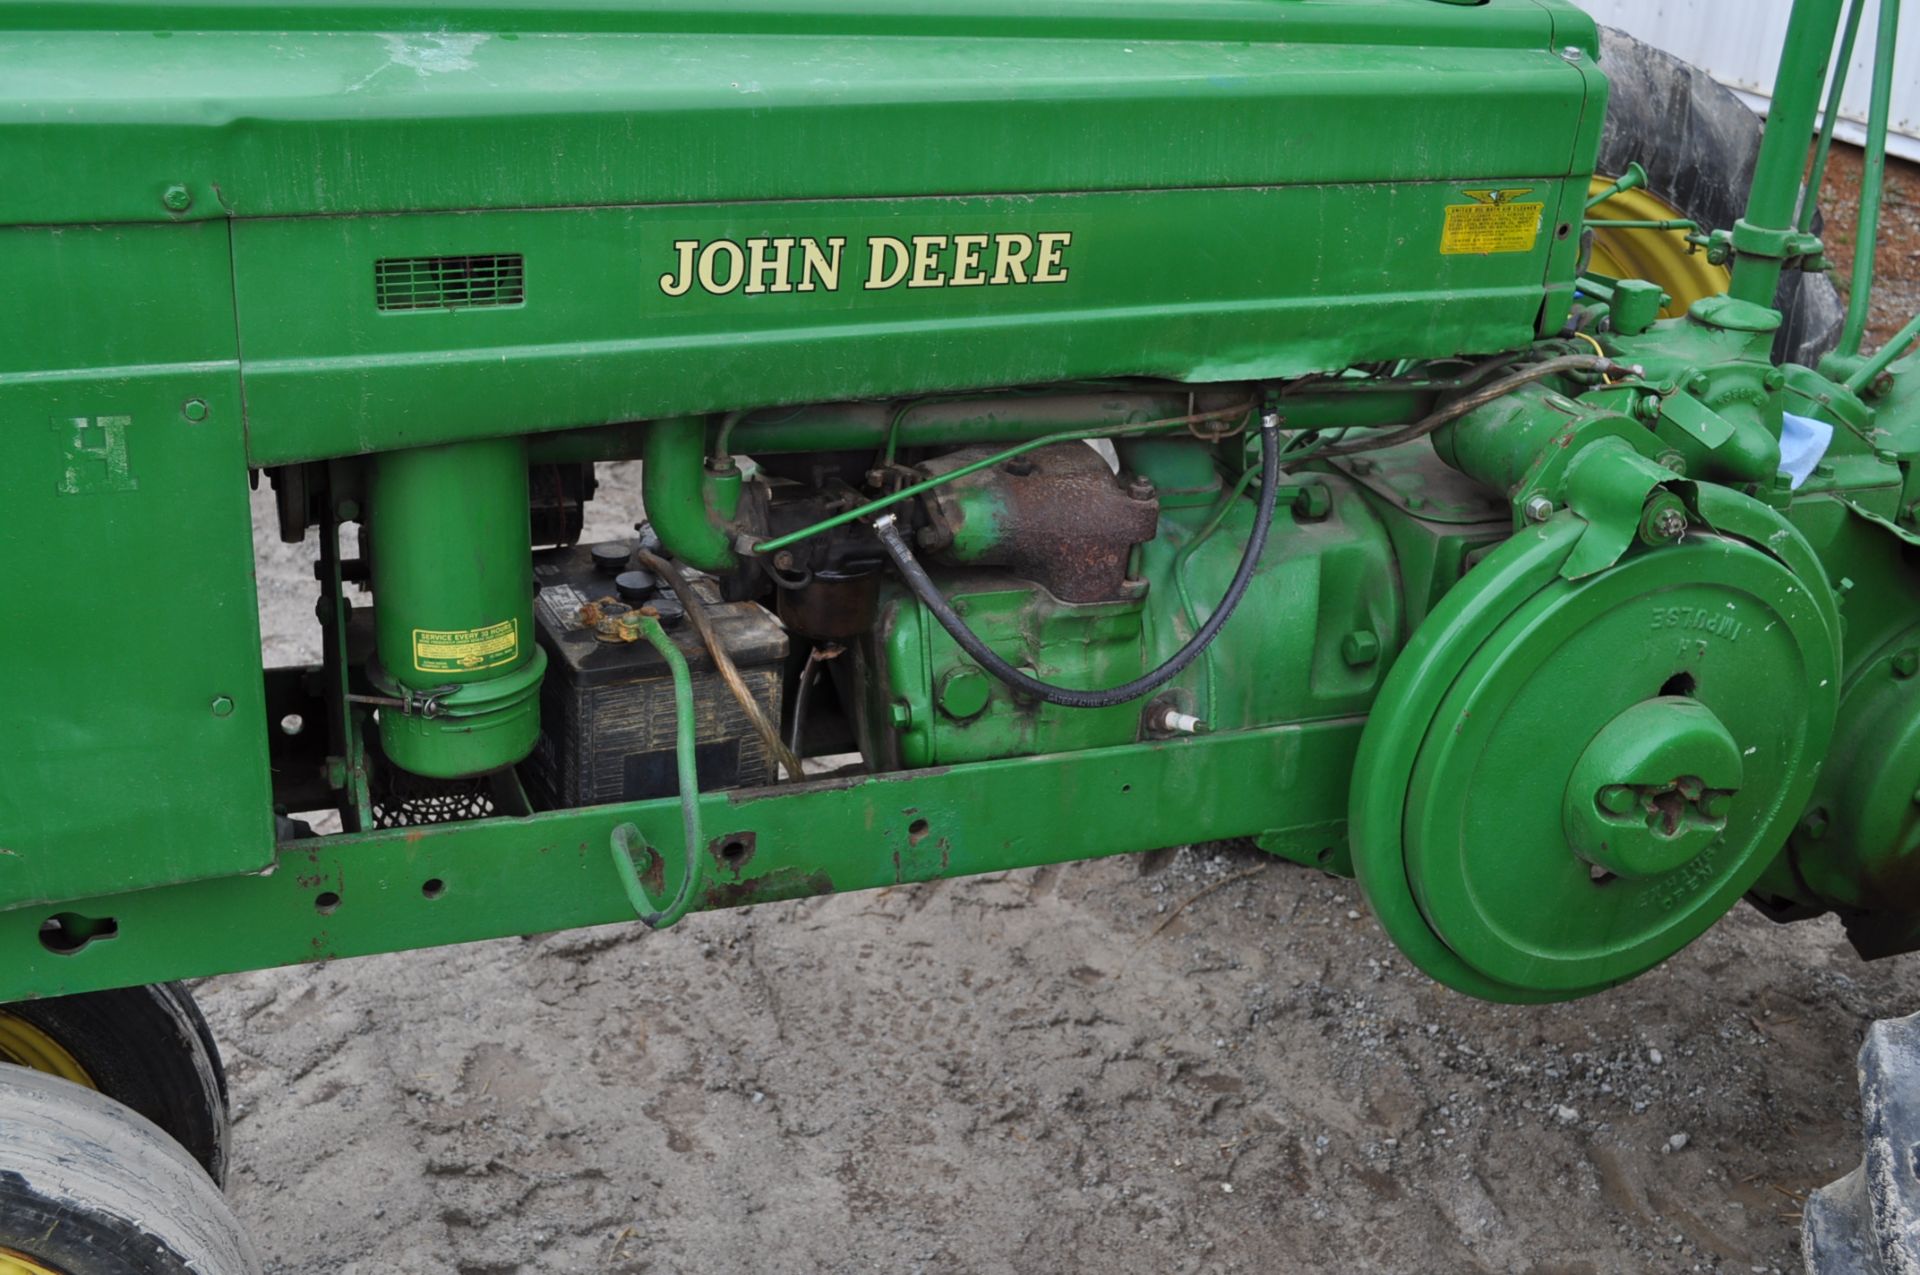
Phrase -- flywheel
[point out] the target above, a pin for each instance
(1565, 781)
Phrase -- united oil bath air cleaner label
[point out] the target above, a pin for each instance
(466, 650)
(1495, 222)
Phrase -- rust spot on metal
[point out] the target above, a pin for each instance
(779, 884)
(733, 851)
(654, 874)
(1061, 519)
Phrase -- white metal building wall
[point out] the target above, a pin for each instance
(1738, 42)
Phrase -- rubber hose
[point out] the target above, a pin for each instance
(924, 589)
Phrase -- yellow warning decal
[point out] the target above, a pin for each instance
(466, 650)
(1494, 222)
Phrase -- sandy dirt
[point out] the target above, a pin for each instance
(1195, 1061)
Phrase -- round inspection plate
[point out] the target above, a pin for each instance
(1690, 688)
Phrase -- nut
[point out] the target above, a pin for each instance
(1669, 524)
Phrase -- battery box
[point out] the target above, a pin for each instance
(607, 724)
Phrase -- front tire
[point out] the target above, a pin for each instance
(147, 1048)
(88, 1187)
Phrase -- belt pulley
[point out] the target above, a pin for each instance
(1565, 780)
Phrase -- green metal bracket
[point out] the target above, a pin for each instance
(1609, 484)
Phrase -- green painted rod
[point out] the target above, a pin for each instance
(1889, 352)
(1873, 183)
(1772, 200)
(657, 913)
(1810, 195)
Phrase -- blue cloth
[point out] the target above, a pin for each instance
(1803, 442)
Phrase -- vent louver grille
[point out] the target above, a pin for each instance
(450, 283)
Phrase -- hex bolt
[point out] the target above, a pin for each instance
(1360, 648)
(1618, 799)
(1140, 487)
(1814, 826)
(1774, 379)
(1670, 524)
(1416, 502)
(1907, 663)
(1699, 385)
(222, 706)
(900, 715)
(1539, 509)
(1312, 503)
(177, 198)
(1360, 466)
(195, 410)
(1715, 805)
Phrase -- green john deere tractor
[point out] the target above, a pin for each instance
(1490, 498)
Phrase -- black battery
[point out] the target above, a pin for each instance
(607, 724)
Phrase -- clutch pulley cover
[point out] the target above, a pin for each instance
(1565, 781)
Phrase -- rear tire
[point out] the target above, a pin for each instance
(88, 1187)
(148, 1048)
(1698, 142)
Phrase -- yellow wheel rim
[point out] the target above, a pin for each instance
(1658, 256)
(12, 1263)
(24, 1045)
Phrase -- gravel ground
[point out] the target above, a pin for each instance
(1195, 1061)
(1896, 293)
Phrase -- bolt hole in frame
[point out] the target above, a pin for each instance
(67, 933)
(432, 888)
(326, 903)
